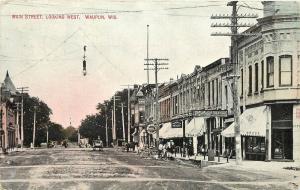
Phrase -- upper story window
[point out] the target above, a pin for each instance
(270, 71)
(250, 80)
(256, 78)
(262, 75)
(208, 93)
(285, 70)
(226, 96)
(242, 82)
(213, 92)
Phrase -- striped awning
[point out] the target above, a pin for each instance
(167, 132)
(253, 122)
(195, 127)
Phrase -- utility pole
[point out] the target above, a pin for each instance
(123, 124)
(114, 126)
(106, 130)
(128, 115)
(114, 132)
(18, 125)
(128, 112)
(47, 135)
(34, 122)
(23, 90)
(147, 54)
(157, 67)
(234, 61)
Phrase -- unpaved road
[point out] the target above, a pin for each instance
(112, 169)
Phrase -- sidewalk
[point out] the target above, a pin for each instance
(9, 151)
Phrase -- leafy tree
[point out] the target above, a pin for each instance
(92, 127)
(71, 133)
(105, 109)
(56, 132)
(43, 113)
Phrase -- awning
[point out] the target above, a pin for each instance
(195, 127)
(253, 122)
(167, 132)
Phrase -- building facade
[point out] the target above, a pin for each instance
(9, 129)
(269, 84)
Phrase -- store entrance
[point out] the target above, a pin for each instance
(282, 144)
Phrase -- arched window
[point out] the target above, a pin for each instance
(285, 70)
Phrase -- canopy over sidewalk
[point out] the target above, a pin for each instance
(253, 122)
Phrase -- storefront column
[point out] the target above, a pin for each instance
(296, 132)
(223, 144)
(268, 135)
(243, 147)
(195, 145)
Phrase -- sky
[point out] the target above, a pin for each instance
(45, 53)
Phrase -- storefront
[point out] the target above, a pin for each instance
(253, 124)
(282, 131)
(194, 131)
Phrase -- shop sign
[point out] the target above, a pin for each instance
(252, 133)
(151, 129)
(210, 113)
(176, 124)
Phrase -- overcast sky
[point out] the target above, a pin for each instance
(46, 54)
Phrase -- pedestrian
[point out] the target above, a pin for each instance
(160, 150)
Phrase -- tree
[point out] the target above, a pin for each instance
(93, 127)
(43, 113)
(104, 109)
(71, 133)
(56, 132)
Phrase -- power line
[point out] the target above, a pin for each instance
(100, 53)
(48, 54)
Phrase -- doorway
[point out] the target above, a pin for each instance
(282, 144)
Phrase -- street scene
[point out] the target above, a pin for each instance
(149, 94)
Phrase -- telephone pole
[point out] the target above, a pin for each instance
(157, 67)
(128, 112)
(114, 132)
(18, 125)
(112, 124)
(34, 123)
(234, 61)
(147, 54)
(123, 124)
(23, 90)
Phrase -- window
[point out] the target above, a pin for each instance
(270, 71)
(256, 78)
(285, 70)
(250, 80)
(226, 97)
(262, 75)
(242, 82)
(208, 91)
(213, 92)
(217, 92)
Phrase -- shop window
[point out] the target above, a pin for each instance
(285, 70)
(255, 145)
(250, 80)
(270, 71)
(256, 78)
